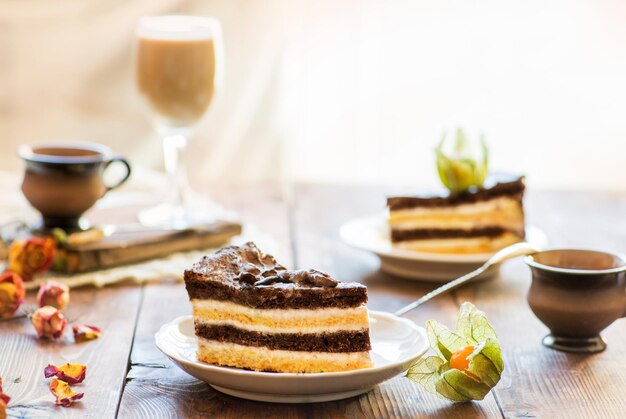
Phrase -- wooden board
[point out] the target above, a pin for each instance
(122, 248)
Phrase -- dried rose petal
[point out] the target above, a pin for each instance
(31, 256)
(49, 322)
(11, 293)
(63, 393)
(85, 332)
(70, 373)
(4, 399)
(55, 294)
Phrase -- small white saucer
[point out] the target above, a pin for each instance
(372, 234)
(396, 344)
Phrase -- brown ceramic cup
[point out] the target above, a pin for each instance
(63, 180)
(577, 294)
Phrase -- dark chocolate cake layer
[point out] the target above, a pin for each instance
(452, 233)
(246, 276)
(494, 187)
(342, 341)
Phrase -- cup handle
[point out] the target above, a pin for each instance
(126, 176)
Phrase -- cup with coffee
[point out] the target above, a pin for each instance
(577, 294)
(63, 180)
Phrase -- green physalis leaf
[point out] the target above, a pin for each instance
(443, 340)
(486, 362)
(459, 387)
(468, 362)
(461, 170)
(426, 372)
(472, 323)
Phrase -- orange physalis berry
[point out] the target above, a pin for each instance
(460, 360)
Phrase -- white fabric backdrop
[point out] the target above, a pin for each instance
(351, 90)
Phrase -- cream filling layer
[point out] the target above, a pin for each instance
(294, 329)
(262, 358)
(465, 209)
(213, 312)
(462, 224)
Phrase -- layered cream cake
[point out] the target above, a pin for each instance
(479, 220)
(251, 312)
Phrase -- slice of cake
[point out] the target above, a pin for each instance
(251, 312)
(479, 220)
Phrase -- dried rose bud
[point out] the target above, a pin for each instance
(53, 294)
(85, 332)
(11, 293)
(4, 402)
(70, 373)
(31, 256)
(49, 322)
(63, 393)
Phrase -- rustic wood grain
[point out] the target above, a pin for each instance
(540, 382)
(537, 382)
(23, 357)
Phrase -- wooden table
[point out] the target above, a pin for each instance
(128, 377)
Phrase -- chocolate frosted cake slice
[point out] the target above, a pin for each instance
(480, 220)
(251, 312)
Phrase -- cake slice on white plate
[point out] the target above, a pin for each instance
(251, 312)
(482, 219)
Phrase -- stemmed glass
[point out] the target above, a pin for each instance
(178, 69)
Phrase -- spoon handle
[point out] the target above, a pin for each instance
(442, 289)
(517, 249)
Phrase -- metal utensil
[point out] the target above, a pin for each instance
(517, 249)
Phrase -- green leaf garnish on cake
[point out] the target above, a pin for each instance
(462, 168)
(468, 361)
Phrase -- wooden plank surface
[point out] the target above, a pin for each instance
(23, 357)
(538, 382)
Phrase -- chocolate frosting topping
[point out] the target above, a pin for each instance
(247, 276)
(246, 266)
(305, 278)
(495, 186)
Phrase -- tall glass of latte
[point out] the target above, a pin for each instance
(177, 69)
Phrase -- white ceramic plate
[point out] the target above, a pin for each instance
(372, 234)
(396, 344)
